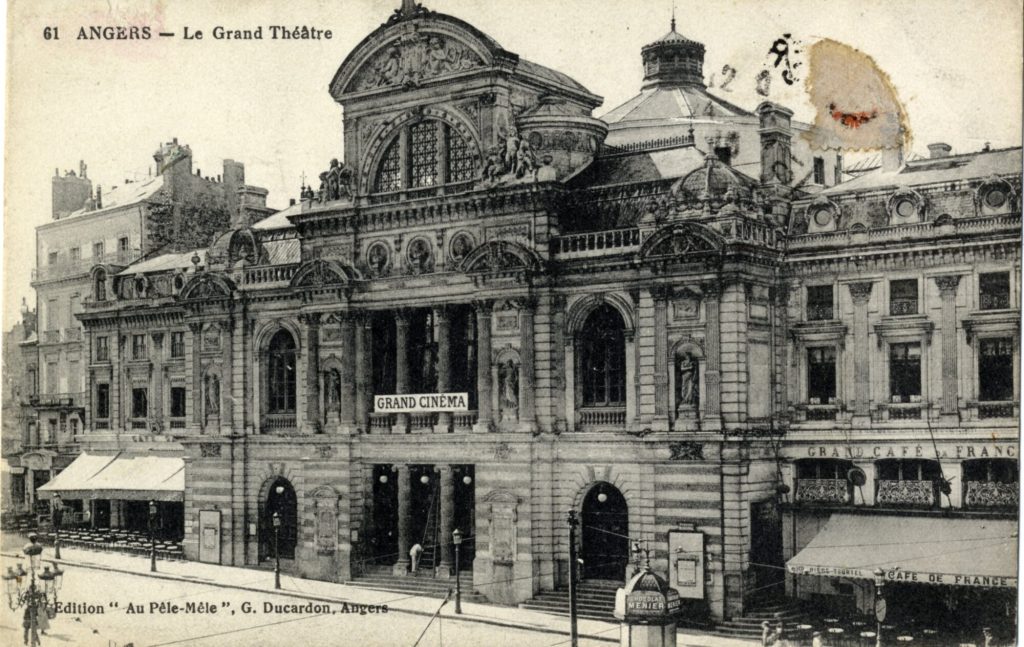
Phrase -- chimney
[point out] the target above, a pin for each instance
(234, 179)
(99, 198)
(81, 168)
(939, 150)
(69, 192)
(892, 158)
(291, 202)
(776, 142)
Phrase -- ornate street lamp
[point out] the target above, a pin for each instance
(276, 518)
(58, 517)
(879, 604)
(457, 540)
(152, 536)
(35, 599)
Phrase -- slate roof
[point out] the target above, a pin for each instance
(930, 171)
(279, 220)
(164, 262)
(663, 105)
(123, 195)
(642, 166)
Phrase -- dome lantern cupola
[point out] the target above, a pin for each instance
(673, 61)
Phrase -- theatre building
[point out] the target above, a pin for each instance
(497, 308)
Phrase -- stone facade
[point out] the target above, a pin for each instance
(627, 339)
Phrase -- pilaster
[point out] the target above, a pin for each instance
(947, 290)
(861, 293)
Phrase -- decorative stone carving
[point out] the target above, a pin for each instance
(687, 373)
(325, 451)
(502, 451)
(377, 259)
(212, 388)
(416, 57)
(325, 502)
(502, 517)
(420, 257)
(860, 292)
(209, 450)
(211, 338)
(460, 246)
(508, 386)
(332, 390)
(947, 284)
(686, 451)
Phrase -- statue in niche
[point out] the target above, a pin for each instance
(509, 385)
(378, 259)
(419, 256)
(212, 395)
(460, 247)
(332, 390)
(687, 389)
(428, 368)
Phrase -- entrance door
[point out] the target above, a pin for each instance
(209, 536)
(766, 558)
(605, 533)
(280, 499)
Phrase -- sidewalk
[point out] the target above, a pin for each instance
(262, 581)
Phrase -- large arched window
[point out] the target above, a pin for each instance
(425, 154)
(603, 358)
(100, 289)
(281, 373)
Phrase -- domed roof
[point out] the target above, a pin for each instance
(673, 61)
(715, 180)
(647, 580)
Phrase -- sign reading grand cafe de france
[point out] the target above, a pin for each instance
(681, 321)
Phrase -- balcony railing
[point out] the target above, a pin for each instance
(990, 494)
(464, 421)
(103, 423)
(177, 423)
(422, 421)
(71, 399)
(603, 417)
(265, 276)
(139, 424)
(821, 412)
(905, 411)
(995, 410)
(596, 243)
(819, 311)
(995, 301)
(905, 493)
(899, 307)
(381, 423)
(822, 491)
(279, 422)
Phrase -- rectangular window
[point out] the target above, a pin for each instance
(52, 258)
(819, 302)
(177, 344)
(819, 170)
(75, 254)
(52, 378)
(103, 401)
(97, 251)
(138, 347)
(905, 372)
(140, 402)
(995, 370)
(122, 244)
(903, 297)
(995, 291)
(821, 375)
(423, 154)
(178, 402)
(53, 314)
(101, 351)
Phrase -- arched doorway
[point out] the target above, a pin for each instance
(605, 533)
(280, 498)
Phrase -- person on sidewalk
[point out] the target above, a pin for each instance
(414, 555)
(816, 640)
(766, 632)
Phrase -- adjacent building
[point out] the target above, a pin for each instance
(498, 308)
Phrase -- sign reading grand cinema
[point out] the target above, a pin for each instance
(421, 402)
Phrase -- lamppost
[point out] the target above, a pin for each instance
(36, 600)
(152, 537)
(58, 517)
(457, 540)
(276, 519)
(879, 604)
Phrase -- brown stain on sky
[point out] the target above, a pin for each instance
(857, 105)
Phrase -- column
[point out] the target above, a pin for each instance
(156, 413)
(527, 408)
(364, 372)
(861, 294)
(661, 295)
(404, 492)
(401, 367)
(227, 398)
(558, 345)
(444, 569)
(947, 290)
(485, 418)
(444, 364)
(348, 373)
(713, 361)
(312, 323)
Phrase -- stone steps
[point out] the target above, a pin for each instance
(594, 601)
(422, 584)
(749, 625)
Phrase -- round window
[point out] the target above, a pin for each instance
(822, 217)
(905, 208)
(995, 198)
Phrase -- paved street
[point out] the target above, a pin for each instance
(114, 600)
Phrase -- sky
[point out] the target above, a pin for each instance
(956, 68)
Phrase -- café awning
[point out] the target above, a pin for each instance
(928, 550)
(124, 477)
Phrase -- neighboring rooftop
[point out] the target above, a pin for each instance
(164, 262)
(123, 195)
(941, 169)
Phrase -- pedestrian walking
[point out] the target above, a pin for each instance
(816, 640)
(987, 633)
(766, 632)
(414, 555)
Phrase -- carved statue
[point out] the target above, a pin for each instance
(321, 195)
(494, 167)
(510, 156)
(526, 162)
(419, 256)
(307, 193)
(390, 72)
(687, 390)
(509, 378)
(212, 395)
(377, 260)
(332, 390)
(460, 247)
